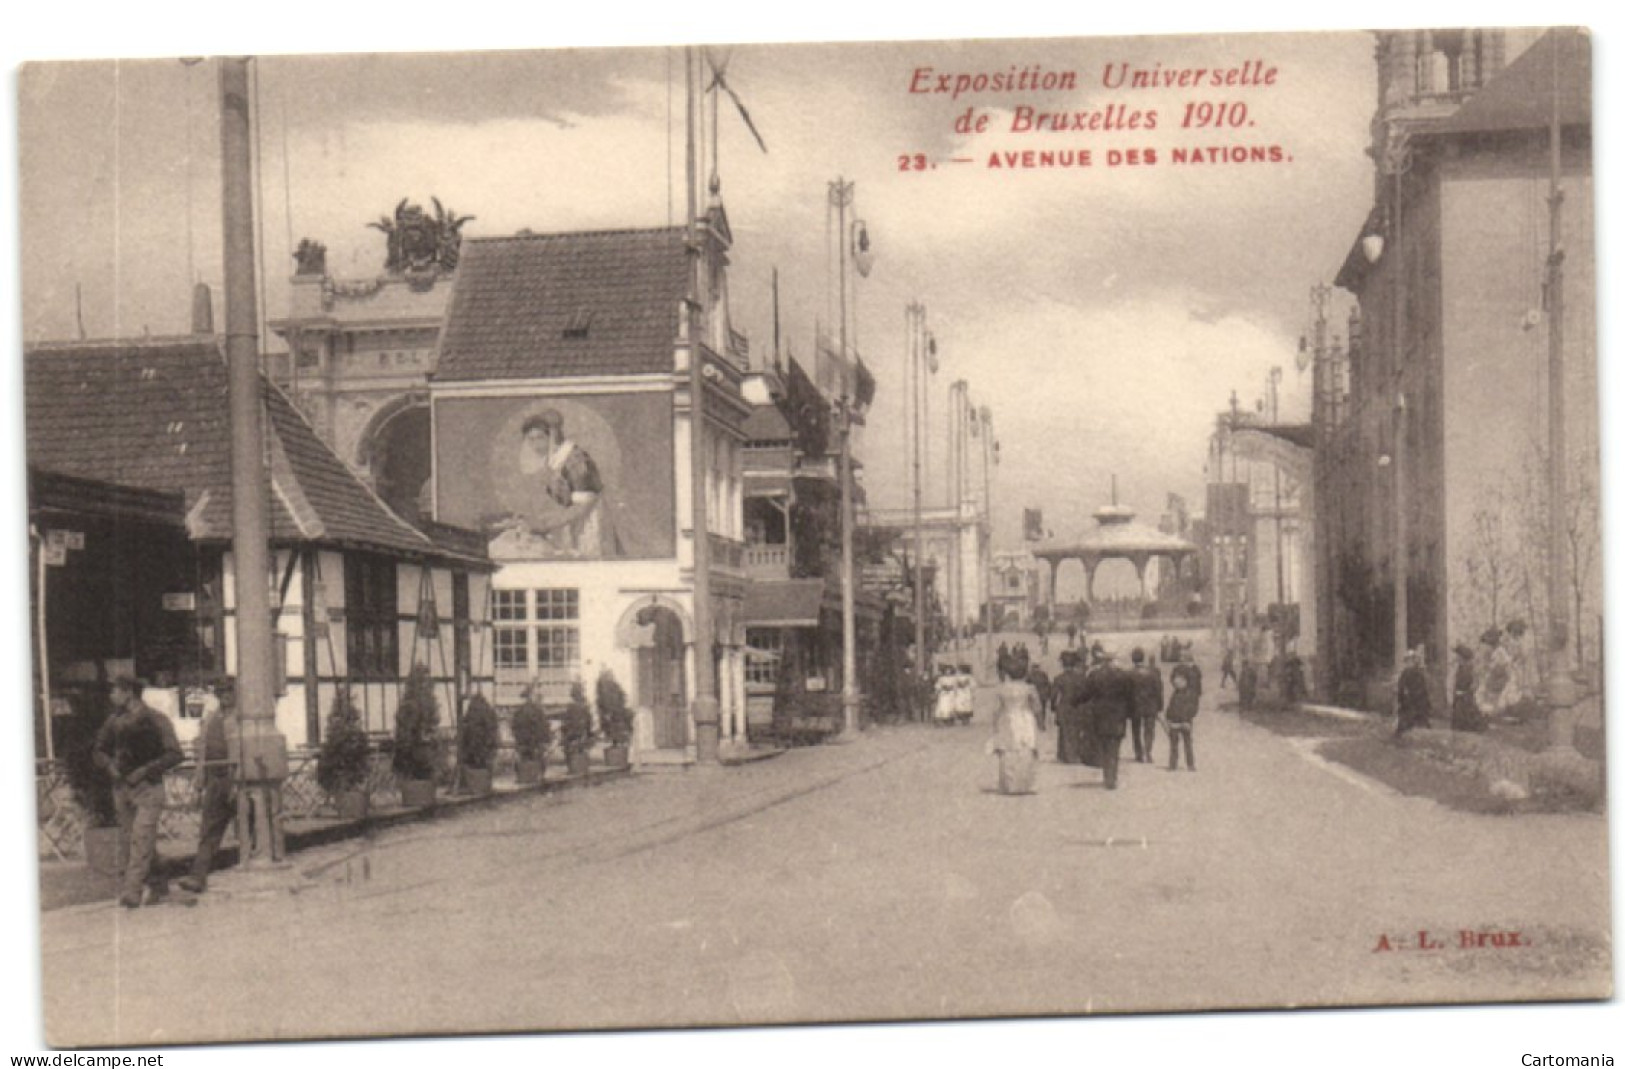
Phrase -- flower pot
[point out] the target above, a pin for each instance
(529, 773)
(352, 804)
(417, 793)
(577, 763)
(477, 780)
(617, 756)
(101, 849)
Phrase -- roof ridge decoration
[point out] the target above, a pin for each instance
(422, 247)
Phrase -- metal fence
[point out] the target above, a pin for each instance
(61, 820)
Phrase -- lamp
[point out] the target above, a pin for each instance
(1371, 245)
(863, 253)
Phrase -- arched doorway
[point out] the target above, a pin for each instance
(661, 684)
(397, 457)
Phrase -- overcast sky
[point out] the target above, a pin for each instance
(1103, 314)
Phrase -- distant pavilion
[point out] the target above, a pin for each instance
(1115, 536)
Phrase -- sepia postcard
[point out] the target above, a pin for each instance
(607, 539)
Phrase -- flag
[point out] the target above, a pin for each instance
(863, 390)
(831, 368)
(806, 410)
(1032, 524)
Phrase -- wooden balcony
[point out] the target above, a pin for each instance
(767, 561)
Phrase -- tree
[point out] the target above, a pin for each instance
(1583, 536)
(1490, 583)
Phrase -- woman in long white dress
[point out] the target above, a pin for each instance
(947, 698)
(1015, 735)
(965, 695)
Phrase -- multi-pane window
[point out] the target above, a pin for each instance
(372, 631)
(537, 639)
(763, 652)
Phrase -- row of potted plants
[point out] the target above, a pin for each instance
(342, 763)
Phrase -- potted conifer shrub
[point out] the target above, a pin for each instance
(341, 765)
(575, 732)
(92, 788)
(531, 737)
(417, 741)
(477, 744)
(614, 720)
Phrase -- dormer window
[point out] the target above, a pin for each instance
(579, 324)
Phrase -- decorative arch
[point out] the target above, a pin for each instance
(382, 416)
(394, 451)
(632, 635)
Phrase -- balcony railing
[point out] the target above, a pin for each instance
(725, 552)
(767, 561)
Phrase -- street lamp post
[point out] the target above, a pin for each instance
(1560, 666)
(840, 196)
(705, 707)
(1395, 161)
(1280, 543)
(922, 355)
(263, 749)
(990, 456)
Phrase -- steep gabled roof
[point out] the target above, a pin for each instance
(153, 413)
(557, 305)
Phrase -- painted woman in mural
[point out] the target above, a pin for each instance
(564, 493)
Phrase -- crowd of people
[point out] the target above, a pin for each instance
(1094, 707)
(1502, 692)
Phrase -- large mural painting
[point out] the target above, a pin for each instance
(559, 478)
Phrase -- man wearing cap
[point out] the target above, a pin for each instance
(136, 746)
(219, 743)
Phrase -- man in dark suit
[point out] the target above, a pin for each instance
(1111, 694)
(1068, 700)
(136, 746)
(1147, 705)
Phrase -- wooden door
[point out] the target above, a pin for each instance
(661, 685)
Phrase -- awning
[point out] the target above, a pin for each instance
(782, 603)
(766, 485)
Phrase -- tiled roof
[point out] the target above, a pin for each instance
(556, 305)
(153, 413)
(1520, 97)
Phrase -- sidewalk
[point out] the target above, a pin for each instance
(1506, 768)
(73, 883)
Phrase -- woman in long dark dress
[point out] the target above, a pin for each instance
(1464, 712)
(1412, 704)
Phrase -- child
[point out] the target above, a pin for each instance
(1181, 712)
(965, 695)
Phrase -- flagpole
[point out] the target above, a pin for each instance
(841, 196)
(705, 709)
(916, 343)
